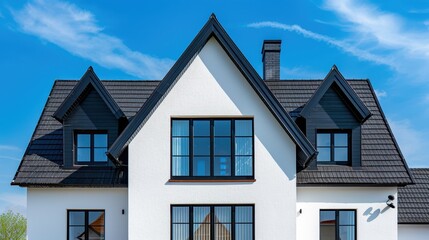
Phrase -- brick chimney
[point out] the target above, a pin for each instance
(271, 59)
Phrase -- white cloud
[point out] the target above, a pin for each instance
(380, 93)
(76, 30)
(412, 142)
(300, 73)
(9, 148)
(419, 11)
(343, 45)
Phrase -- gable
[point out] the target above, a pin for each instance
(212, 28)
(89, 81)
(335, 80)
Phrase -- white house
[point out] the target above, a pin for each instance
(213, 151)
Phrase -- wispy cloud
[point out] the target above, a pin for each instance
(343, 45)
(301, 73)
(76, 30)
(419, 11)
(9, 148)
(412, 142)
(373, 35)
(17, 202)
(380, 93)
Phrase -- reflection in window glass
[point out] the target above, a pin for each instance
(337, 224)
(86, 225)
(91, 147)
(333, 147)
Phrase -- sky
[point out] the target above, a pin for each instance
(44, 40)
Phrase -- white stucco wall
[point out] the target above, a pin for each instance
(413, 231)
(47, 210)
(211, 87)
(375, 220)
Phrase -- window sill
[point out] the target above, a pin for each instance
(211, 180)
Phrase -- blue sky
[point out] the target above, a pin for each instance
(44, 40)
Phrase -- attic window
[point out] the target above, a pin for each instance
(333, 147)
(90, 147)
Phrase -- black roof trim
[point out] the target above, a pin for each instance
(88, 78)
(213, 29)
(361, 112)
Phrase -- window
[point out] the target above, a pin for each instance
(91, 147)
(333, 147)
(212, 222)
(337, 225)
(85, 225)
(212, 148)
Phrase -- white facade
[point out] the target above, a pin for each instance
(374, 219)
(47, 210)
(413, 231)
(212, 87)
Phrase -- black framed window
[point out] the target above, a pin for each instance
(212, 148)
(337, 225)
(91, 147)
(333, 147)
(212, 222)
(85, 225)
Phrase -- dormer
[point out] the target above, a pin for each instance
(91, 120)
(332, 120)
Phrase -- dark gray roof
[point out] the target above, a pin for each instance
(413, 200)
(382, 162)
(41, 163)
(306, 151)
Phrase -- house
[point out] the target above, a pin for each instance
(213, 151)
(413, 211)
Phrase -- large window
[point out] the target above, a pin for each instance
(337, 225)
(212, 148)
(85, 225)
(333, 147)
(90, 147)
(215, 222)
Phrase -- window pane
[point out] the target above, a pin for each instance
(222, 214)
(243, 231)
(180, 232)
(100, 140)
(222, 146)
(180, 166)
(100, 155)
(76, 218)
(96, 217)
(222, 128)
(83, 140)
(180, 146)
(180, 215)
(340, 139)
(340, 154)
(201, 166)
(327, 225)
(347, 233)
(201, 214)
(180, 128)
(244, 214)
(324, 155)
(201, 128)
(201, 231)
(96, 225)
(83, 154)
(347, 217)
(324, 139)
(201, 146)
(222, 166)
(76, 233)
(243, 128)
(243, 166)
(243, 146)
(222, 231)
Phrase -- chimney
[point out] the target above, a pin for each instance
(271, 59)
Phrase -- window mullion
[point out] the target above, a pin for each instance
(332, 147)
(191, 222)
(91, 150)
(337, 225)
(212, 223)
(232, 140)
(191, 148)
(233, 222)
(86, 225)
(212, 148)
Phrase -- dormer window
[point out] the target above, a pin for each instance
(333, 147)
(90, 147)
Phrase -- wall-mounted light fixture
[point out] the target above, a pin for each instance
(389, 201)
